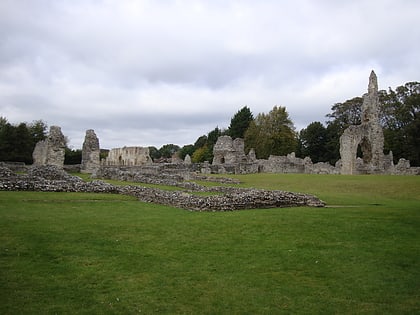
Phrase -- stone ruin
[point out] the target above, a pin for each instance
(368, 135)
(50, 151)
(53, 179)
(128, 156)
(229, 155)
(230, 158)
(90, 153)
(229, 151)
(370, 138)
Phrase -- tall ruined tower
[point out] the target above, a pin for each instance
(368, 135)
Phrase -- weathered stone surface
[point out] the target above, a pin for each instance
(187, 159)
(90, 153)
(368, 135)
(52, 150)
(228, 151)
(128, 156)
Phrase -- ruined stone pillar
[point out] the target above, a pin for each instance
(90, 153)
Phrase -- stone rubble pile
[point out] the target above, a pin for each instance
(238, 200)
(50, 178)
(53, 179)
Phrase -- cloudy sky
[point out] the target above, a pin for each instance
(152, 72)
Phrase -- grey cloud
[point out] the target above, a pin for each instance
(175, 70)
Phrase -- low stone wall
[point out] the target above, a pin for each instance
(158, 175)
(49, 178)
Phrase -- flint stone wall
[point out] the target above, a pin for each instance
(128, 156)
(90, 153)
(368, 135)
(228, 151)
(248, 164)
(50, 178)
(50, 151)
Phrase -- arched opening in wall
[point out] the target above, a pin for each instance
(365, 150)
(120, 160)
(222, 160)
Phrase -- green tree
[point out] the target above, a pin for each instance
(200, 142)
(3, 122)
(332, 146)
(347, 113)
(212, 137)
(203, 146)
(154, 153)
(401, 121)
(186, 149)
(103, 154)
(72, 157)
(16, 142)
(7, 142)
(38, 131)
(240, 123)
(168, 150)
(271, 134)
(313, 141)
(202, 154)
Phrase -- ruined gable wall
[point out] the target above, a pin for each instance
(128, 156)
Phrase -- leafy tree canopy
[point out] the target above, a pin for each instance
(168, 150)
(240, 123)
(271, 133)
(17, 142)
(312, 141)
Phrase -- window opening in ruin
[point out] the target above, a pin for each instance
(364, 150)
(222, 160)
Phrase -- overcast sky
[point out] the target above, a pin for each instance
(160, 71)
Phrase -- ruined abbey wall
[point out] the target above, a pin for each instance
(230, 158)
(368, 135)
(50, 151)
(128, 156)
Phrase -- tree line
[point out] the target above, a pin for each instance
(271, 133)
(274, 133)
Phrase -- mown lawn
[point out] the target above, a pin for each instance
(66, 253)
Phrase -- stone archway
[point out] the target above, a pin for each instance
(368, 135)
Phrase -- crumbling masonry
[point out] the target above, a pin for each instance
(90, 153)
(368, 135)
(230, 157)
(50, 151)
(128, 156)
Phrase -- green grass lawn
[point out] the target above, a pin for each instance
(68, 253)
